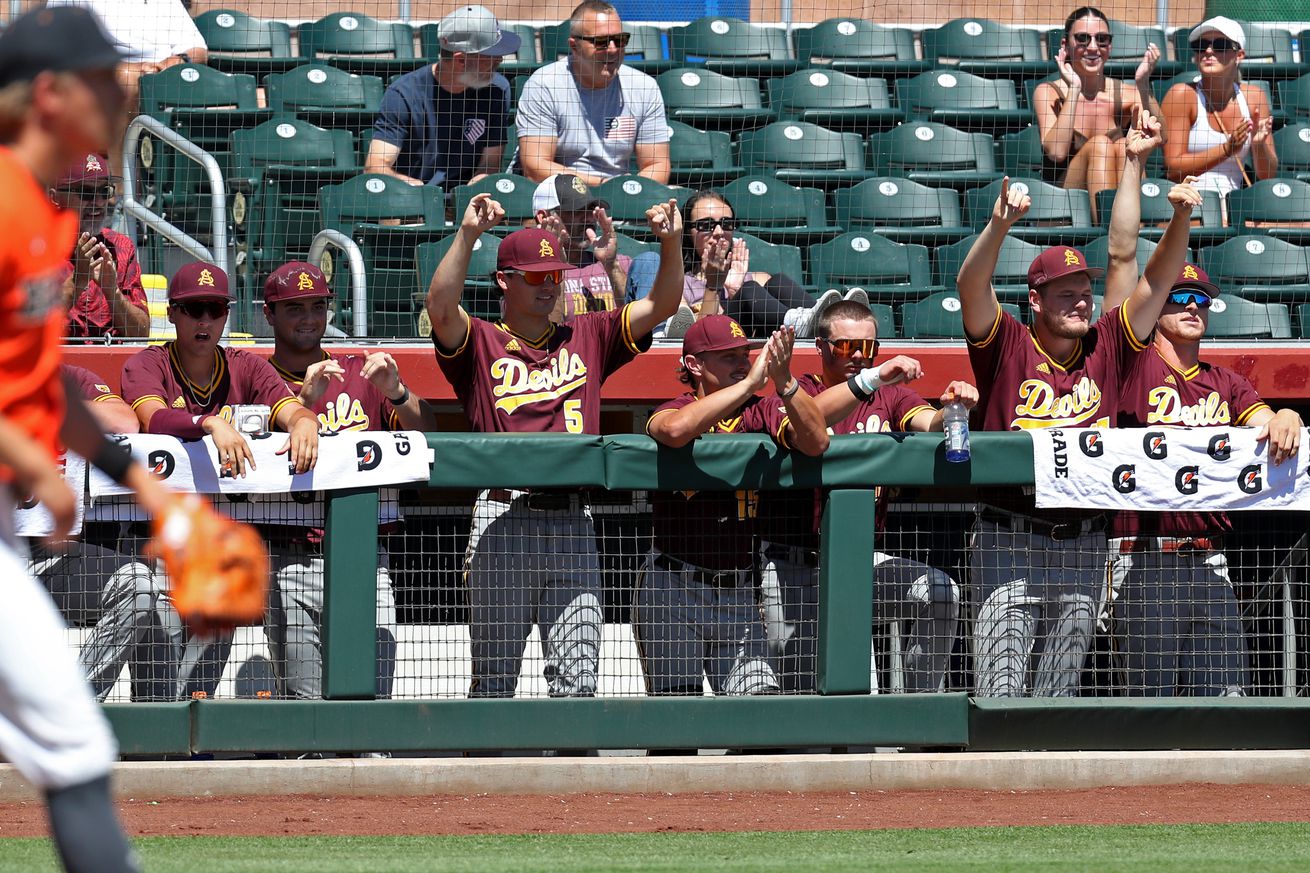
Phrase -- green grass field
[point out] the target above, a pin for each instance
(1187, 848)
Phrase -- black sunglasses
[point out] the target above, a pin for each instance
(215, 309)
(1220, 44)
(89, 192)
(707, 225)
(1085, 39)
(601, 42)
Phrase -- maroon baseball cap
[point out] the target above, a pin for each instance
(714, 333)
(1193, 276)
(530, 249)
(295, 280)
(88, 168)
(1058, 261)
(198, 281)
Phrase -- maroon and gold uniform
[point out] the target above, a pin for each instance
(509, 383)
(353, 403)
(239, 377)
(92, 387)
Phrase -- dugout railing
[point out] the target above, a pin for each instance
(844, 712)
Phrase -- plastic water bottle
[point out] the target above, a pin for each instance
(955, 422)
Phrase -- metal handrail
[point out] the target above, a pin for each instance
(358, 279)
(217, 192)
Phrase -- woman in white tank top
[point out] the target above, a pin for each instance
(1215, 123)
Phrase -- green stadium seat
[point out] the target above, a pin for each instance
(804, 154)
(645, 49)
(1098, 255)
(633, 247)
(710, 101)
(1207, 222)
(1058, 216)
(934, 154)
(937, 316)
(1277, 207)
(1294, 97)
(882, 314)
(859, 47)
(358, 208)
(1303, 318)
(481, 296)
(962, 100)
(513, 193)
(986, 48)
(1268, 52)
(1293, 146)
(834, 100)
(1234, 317)
(630, 196)
(700, 158)
(1010, 278)
(732, 47)
(360, 44)
(902, 210)
(1130, 42)
(778, 212)
(520, 64)
(1259, 268)
(326, 96)
(239, 43)
(887, 271)
(773, 258)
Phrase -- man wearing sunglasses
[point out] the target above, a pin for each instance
(589, 113)
(446, 124)
(1038, 579)
(532, 556)
(856, 396)
(103, 292)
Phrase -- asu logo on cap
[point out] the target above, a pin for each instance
(304, 282)
(206, 279)
(1189, 272)
(1071, 258)
(546, 250)
(735, 330)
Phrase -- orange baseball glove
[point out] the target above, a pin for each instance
(217, 567)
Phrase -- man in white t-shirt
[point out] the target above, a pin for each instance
(588, 114)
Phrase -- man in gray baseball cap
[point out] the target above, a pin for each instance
(445, 124)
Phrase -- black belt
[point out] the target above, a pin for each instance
(1068, 530)
(710, 578)
(540, 501)
(791, 554)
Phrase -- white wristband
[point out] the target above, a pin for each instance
(868, 380)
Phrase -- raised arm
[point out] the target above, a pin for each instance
(644, 314)
(977, 296)
(807, 432)
(1126, 217)
(1143, 307)
(1057, 126)
(678, 427)
(449, 321)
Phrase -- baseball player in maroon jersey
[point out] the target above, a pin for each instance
(904, 590)
(1177, 622)
(103, 291)
(532, 556)
(1038, 582)
(187, 387)
(698, 612)
(346, 392)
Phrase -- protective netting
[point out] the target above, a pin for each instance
(862, 151)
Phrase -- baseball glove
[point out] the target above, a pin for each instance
(217, 567)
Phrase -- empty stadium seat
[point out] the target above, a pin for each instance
(481, 296)
(1294, 97)
(778, 212)
(938, 316)
(630, 196)
(882, 314)
(858, 47)
(240, 43)
(963, 101)
(1058, 216)
(889, 272)
(804, 154)
(834, 100)
(1293, 146)
(700, 158)
(1259, 268)
(360, 44)
(1234, 317)
(732, 47)
(1207, 222)
(902, 210)
(1277, 207)
(711, 101)
(326, 96)
(773, 258)
(1010, 278)
(934, 154)
(986, 48)
(512, 192)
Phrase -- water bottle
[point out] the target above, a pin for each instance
(955, 422)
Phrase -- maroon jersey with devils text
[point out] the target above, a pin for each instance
(92, 387)
(509, 383)
(1021, 387)
(1205, 396)
(351, 403)
(712, 529)
(239, 377)
(792, 517)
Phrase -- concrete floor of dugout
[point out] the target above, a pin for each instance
(1000, 771)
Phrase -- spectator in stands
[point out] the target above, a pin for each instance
(1219, 122)
(565, 206)
(697, 613)
(718, 278)
(588, 113)
(103, 291)
(1083, 115)
(114, 596)
(445, 124)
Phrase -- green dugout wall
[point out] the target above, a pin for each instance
(844, 713)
